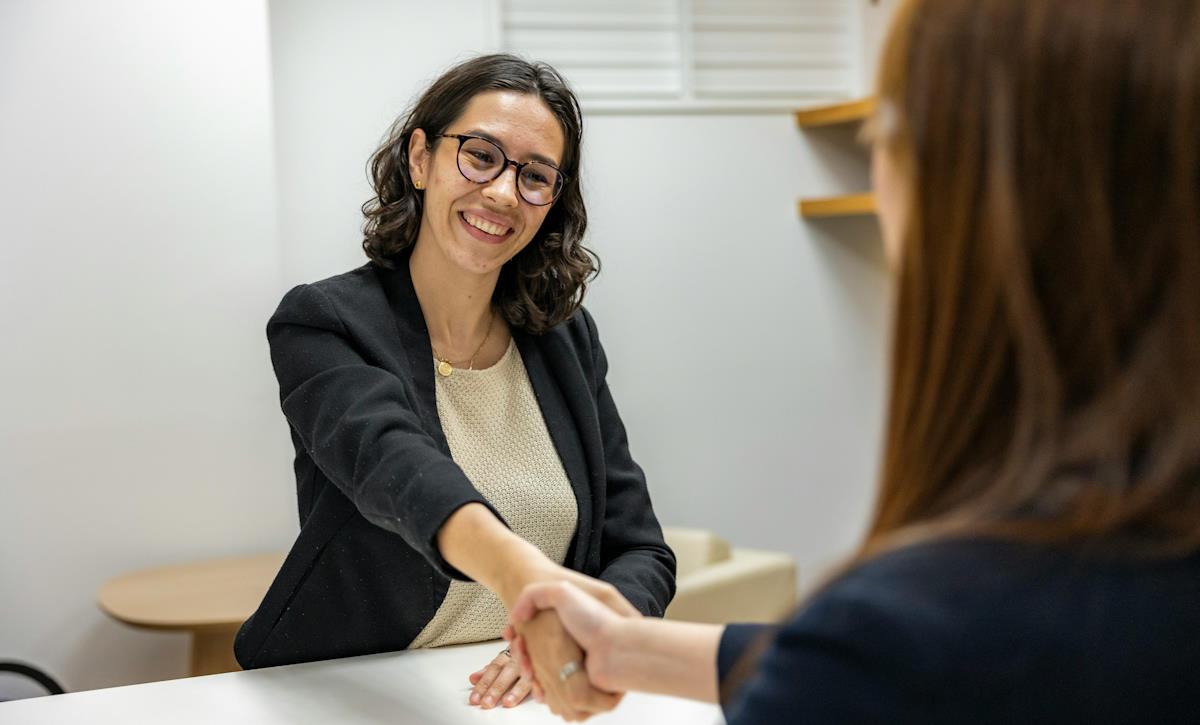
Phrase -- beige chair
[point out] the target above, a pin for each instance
(717, 584)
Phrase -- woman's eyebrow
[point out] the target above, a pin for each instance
(532, 157)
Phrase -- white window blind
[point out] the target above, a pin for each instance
(682, 54)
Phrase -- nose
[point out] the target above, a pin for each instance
(503, 189)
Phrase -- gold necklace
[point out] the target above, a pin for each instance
(444, 367)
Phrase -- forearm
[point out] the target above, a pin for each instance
(665, 657)
(479, 545)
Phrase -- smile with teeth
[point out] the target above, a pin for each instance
(486, 226)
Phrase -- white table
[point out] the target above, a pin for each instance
(419, 686)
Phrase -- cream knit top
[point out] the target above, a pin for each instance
(498, 437)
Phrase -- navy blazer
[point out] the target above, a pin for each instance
(375, 480)
(982, 632)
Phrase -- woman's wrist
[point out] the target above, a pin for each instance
(474, 541)
(615, 649)
(519, 564)
(661, 656)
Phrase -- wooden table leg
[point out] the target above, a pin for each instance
(212, 652)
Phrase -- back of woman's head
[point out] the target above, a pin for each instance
(1046, 361)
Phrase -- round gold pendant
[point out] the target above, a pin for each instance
(444, 369)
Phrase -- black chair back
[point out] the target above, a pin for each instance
(19, 681)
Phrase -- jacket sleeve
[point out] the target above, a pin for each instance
(634, 556)
(358, 423)
(735, 640)
(849, 656)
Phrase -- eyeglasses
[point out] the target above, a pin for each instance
(480, 160)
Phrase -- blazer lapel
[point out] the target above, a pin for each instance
(413, 341)
(563, 431)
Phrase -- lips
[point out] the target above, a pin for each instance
(488, 227)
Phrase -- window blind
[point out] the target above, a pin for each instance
(690, 53)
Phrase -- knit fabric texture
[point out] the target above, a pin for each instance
(497, 435)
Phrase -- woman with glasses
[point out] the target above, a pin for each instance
(455, 437)
(1035, 550)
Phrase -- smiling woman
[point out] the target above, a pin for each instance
(455, 438)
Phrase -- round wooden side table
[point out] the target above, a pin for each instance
(209, 599)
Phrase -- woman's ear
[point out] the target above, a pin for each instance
(418, 157)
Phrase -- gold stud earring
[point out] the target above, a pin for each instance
(418, 185)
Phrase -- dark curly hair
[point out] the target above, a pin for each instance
(544, 283)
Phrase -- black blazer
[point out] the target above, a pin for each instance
(375, 481)
(982, 632)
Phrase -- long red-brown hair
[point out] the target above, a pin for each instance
(1045, 380)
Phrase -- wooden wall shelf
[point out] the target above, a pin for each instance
(836, 113)
(848, 205)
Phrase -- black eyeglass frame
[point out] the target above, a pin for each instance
(563, 177)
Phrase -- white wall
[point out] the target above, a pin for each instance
(139, 263)
(745, 346)
(167, 172)
(875, 16)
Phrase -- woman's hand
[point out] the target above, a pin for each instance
(475, 542)
(620, 653)
(501, 682)
(573, 698)
(552, 648)
(585, 618)
(548, 648)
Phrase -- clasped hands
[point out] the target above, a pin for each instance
(551, 651)
(559, 632)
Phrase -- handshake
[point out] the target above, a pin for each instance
(562, 634)
(563, 637)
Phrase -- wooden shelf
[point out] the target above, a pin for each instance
(848, 205)
(836, 113)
